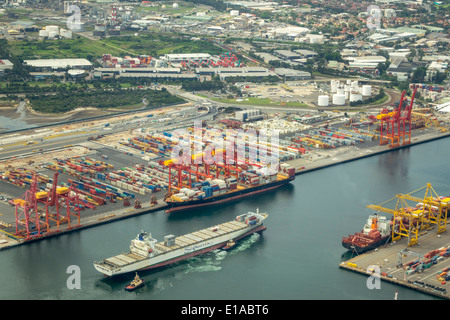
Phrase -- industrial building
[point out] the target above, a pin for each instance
(367, 64)
(267, 57)
(224, 73)
(292, 75)
(178, 57)
(306, 53)
(57, 64)
(5, 65)
(249, 115)
(287, 54)
(145, 72)
(401, 68)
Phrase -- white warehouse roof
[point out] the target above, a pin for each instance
(58, 63)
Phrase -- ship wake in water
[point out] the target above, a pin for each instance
(211, 261)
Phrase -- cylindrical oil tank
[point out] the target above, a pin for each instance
(53, 34)
(43, 33)
(338, 99)
(52, 28)
(323, 101)
(355, 97)
(366, 90)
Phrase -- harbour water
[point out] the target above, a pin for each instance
(296, 258)
(15, 120)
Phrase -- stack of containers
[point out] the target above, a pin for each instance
(250, 178)
(231, 183)
(206, 188)
(21, 177)
(222, 186)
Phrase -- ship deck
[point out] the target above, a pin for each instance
(123, 259)
(201, 235)
(240, 187)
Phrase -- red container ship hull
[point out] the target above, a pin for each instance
(359, 246)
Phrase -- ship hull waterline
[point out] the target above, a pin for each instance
(224, 198)
(258, 229)
(359, 249)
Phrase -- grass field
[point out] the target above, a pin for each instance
(261, 102)
(81, 47)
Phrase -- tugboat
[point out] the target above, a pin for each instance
(230, 245)
(135, 284)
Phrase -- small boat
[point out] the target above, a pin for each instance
(135, 284)
(230, 245)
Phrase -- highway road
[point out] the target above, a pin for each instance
(46, 140)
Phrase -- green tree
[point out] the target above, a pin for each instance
(419, 75)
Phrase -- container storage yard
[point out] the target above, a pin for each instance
(111, 175)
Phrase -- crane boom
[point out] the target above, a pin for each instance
(399, 108)
(408, 116)
(381, 209)
(426, 200)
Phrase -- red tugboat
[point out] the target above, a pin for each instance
(376, 232)
(135, 284)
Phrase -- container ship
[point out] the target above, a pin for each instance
(147, 253)
(217, 191)
(376, 232)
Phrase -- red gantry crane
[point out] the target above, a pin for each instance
(59, 206)
(395, 129)
(405, 120)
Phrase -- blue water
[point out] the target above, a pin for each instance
(296, 258)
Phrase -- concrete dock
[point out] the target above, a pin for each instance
(391, 260)
(316, 160)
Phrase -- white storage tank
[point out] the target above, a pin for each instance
(355, 97)
(323, 101)
(366, 90)
(53, 34)
(52, 28)
(339, 99)
(175, 5)
(65, 33)
(43, 33)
